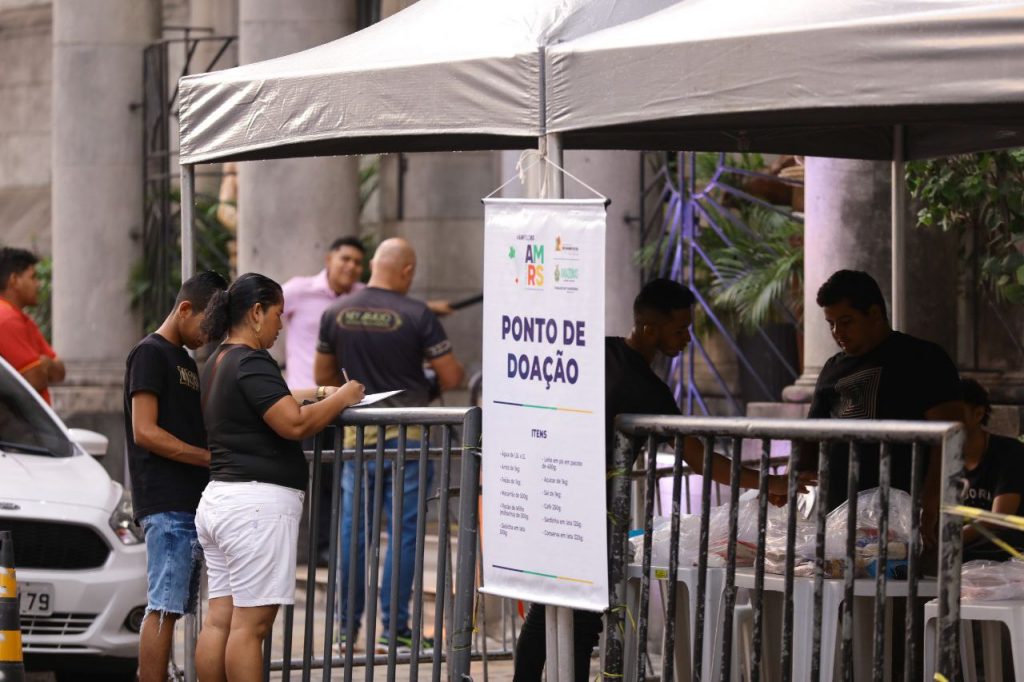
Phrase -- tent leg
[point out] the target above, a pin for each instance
(558, 619)
(188, 213)
(899, 233)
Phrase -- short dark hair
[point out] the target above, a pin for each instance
(227, 308)
(14, 261)
(972, 393)
(348, 241)
(856, 287)
(199, 288)
(662, 296)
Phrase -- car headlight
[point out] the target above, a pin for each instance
(122, 521)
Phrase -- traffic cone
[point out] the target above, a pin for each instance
(12, 666)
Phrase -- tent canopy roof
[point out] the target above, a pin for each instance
(439, 75)
(812, 77)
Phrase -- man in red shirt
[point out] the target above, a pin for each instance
(21, 342)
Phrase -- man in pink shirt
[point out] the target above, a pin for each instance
(306, 299)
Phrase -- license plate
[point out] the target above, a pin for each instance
(36, 599)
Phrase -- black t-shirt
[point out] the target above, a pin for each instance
(1000, 472)
(240, 384)
(381, 338)
(900, 379)
(631, 387)
(160, 484)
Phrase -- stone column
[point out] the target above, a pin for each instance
(290, 210)
(97, 196)
(617, 175)
(848, 226)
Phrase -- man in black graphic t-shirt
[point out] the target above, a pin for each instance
(169, 465)
(382, 338)
(994, 469)
(879, 374)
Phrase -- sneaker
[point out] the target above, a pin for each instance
(403, 644)
(341, 643)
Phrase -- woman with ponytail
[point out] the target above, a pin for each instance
(248, 518)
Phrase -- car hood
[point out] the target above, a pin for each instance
(72, 481)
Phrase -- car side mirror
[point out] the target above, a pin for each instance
(93, 443)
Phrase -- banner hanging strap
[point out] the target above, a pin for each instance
(530, 158)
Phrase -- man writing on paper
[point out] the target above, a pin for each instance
(382, 337)
(662, 314)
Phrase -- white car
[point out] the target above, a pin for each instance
(79, 557)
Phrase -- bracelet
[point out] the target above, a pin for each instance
(321, 393)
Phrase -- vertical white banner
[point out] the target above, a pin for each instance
(543, 418)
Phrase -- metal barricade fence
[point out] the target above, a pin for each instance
(623, 626)
(456, 432)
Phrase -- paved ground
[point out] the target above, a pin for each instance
(496, 670)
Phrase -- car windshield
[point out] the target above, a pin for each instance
(25, 427)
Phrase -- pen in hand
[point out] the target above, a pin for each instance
(344, 374)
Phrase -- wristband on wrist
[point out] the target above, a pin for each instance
(321, 392)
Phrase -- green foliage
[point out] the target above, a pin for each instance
(980, 196)
(42, 311)
(758, 274)
(760, 270)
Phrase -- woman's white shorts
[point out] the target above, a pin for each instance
(249, 533)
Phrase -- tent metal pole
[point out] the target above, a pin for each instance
(899, 235)
(188, 220)
(557, 619)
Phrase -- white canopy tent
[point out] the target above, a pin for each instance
(870, 80)
(804, 77)
(861, 79)
(441, 75)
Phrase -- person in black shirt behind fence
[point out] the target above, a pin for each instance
(879, 373)
(662, 314)
(994, 469)
(248, 517)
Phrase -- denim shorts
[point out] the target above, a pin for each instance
(174, 561)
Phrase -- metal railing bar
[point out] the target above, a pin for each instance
(882, 565)
(421, 416)
(417, 582)
(266, 654)
(787, 602)
(311, 551)
(645, 578)
(893, 431)
(762, 527)
(319, 663)
(622, 457)
(395, 546)
(289, 622)
(702, 560)
(465, 568)
(442, 544)
(913, 565)
(332, 555)
(950, 557)
(849, 579)
(822, 510)
(373, 552)
(353, 548)
(669, 634)
(347, 455)
(725, 670)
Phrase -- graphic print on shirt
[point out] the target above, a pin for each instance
(858, 395)
(369, 319)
